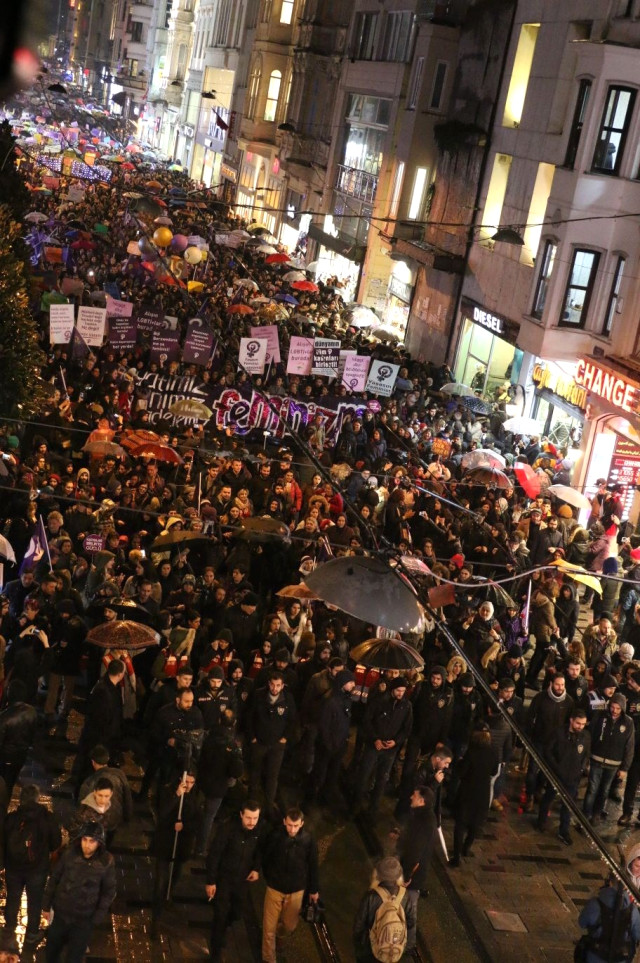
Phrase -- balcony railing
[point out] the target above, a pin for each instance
(356, 183)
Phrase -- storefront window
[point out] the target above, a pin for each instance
(485, 361)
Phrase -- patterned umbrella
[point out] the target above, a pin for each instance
(483, 457)
(135, 437)
(125, 634)
(488, 477)
(477, 405)
(159, 452)
(100, 449)
(300, 591)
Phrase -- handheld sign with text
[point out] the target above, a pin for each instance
(198, 343)
(61, 318)
(441, 447)
(253, 354)
(326, 357)
(300, 356)
(165, 346)
(122, 333)
(268, 332)
(93, 543)
(91, 324)
(355, 372)
(382, 378)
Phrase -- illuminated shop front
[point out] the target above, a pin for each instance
(559, 402)
(487, 356)
(611, 442)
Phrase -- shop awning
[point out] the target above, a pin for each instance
(344, 246)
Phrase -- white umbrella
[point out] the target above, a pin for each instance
(483, 456)
(455, 388)
(239, 232)
(383, 335)
(569, 495)
(266, 249)
(523, 426)
(36, 217)
(247, 283)
(261, 300)
(361, 316)
(294, 276)
(313, 266)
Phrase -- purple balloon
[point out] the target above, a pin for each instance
(147, 248)
(178, 244)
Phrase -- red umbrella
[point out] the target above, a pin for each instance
(305, 286)
(159, 452)
(527, 479)
(83, 246)
(240, 309)
(277, 259)
(128, 166)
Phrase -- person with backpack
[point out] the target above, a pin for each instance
(612, 922)
(384, 916)
(31, 835)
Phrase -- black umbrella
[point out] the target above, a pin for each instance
(263, 529)
(387, 654)
(500, 599)
(171, 539)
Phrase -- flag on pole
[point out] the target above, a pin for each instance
(80, 350)
(37, 547)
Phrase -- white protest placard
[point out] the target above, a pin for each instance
(326, 357)
(60, 323)
(382, 378)
(300, 355)
(91, 324)
(355, 372)
(253, 354)
(270, 332)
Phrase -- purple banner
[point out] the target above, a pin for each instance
(165, 346)
(122, 333)
(198, 343)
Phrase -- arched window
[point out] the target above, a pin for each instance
(273, 92)
(254, 87)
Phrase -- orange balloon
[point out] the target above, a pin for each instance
(162, 237)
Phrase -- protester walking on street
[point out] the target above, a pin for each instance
(384, 917)
(290, 869)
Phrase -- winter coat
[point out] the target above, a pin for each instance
(466, 711)
(18, 724)
(612, 740)
(475, 771)
(213, 704)
(387, 719)
(547, 714)
(67, 643)
(167, 817)
(220, 760)
(235, 852)
(290, 864)
(432, 711)
(335, 720)
(596, 645)
(269, 722)
(81, 889)
(590, 916)
(415, 845)
(542, 621)
(318, 690)
(103, 721)
(566, 613)
(567, 754)
(121, 801)
(45, 829)
(87, 812)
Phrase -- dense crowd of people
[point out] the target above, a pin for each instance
(252, 680)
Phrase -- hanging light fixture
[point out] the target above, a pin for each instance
(508, 235)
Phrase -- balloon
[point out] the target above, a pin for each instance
(193, 255)
(179, 243)
(146, 247)
(162, 237)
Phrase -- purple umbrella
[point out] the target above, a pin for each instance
(286, 298)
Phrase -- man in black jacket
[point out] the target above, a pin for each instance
(415, 849)
(290, 868)
(271, 721)
(386, 727)
(567, 754)
(214, 697)
(631, 691)
(612, 748)
(164, 696)
(31, 834)
(432, 714)
(103, 721)
(80, 891)
(18, 724)
(548, 712)
(333, 736)
(171, 725)
(67, 638)
(232, 863)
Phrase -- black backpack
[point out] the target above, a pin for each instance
(26, 842)
(614, 942)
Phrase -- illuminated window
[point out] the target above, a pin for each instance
(254, 87)
(582, 276)
(417, 194)
(614, 296)
(537, 209)
(286, 11)
(273, 92)
(495, 194)
(398, 178)
(614, 128)
(517, 91)
(544, 277)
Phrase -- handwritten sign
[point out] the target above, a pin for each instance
(61, 317)
(91, 324)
